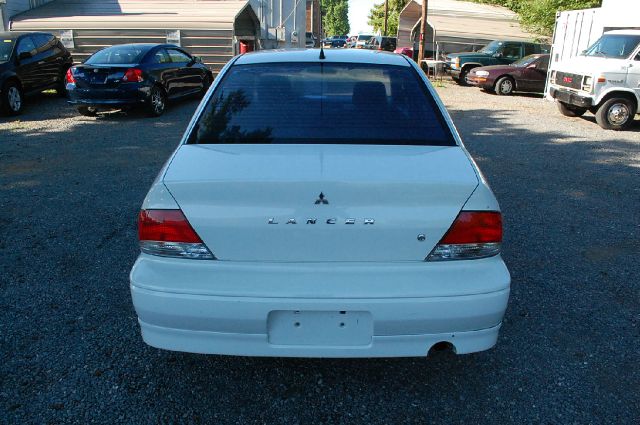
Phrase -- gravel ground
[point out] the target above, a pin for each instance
(70, 347)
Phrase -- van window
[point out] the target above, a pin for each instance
(332, 103)
(617, 46)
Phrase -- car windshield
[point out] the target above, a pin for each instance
(117, 55)
(364, 37)
(617, 46)
(313, 103)
(491, 48)
(6, 47)
(525, 61)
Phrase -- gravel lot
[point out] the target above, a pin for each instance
(70, 347)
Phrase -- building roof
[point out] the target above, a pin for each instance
(463, 19)
(331, 56)
(131, 14)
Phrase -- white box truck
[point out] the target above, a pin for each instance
(604, 79)
(595, 63)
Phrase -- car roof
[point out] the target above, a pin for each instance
(331, 56)
(625, 32)
(146, 46)
(12, 35)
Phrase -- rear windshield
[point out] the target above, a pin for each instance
(322, 103)
(118, 55)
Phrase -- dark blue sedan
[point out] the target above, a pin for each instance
(136, 75)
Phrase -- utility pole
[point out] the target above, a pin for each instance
(386, 16)
(423, 32)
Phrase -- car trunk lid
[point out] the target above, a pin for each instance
(320, 202)
(99, 76)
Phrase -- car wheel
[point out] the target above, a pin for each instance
(87, 111)
(570, 110)
(616, 114)
(12, 98)
(504, 86)
(157, 102)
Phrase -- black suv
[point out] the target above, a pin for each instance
(30, 63)
(499, 52)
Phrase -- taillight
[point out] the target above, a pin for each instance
(473, 234)
(167, 233)
(133, 75)
(69, 77)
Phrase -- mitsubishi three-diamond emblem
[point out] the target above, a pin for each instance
(321, 199)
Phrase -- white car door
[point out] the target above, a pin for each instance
(633, 74)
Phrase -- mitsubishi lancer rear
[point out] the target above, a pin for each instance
(278, 228)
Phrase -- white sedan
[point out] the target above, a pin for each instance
(279, 228)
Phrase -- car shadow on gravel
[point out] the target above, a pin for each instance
(49, 105)
(71, 348)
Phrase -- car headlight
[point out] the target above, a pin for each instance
(482, 73)
(587, 84)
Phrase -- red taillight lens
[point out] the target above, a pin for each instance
(167, 233)
(473, 234)
(69, 77)
(475, 227)
(165, 226)
(133, 75)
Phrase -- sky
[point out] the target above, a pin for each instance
(358, 12)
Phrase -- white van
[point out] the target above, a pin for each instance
(604, 79)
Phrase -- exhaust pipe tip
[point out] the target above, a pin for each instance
(442, 347)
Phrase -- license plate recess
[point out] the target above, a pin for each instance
(320, 328)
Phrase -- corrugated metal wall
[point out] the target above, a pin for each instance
(213, 46)
(207, 28)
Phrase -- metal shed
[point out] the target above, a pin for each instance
(458, 25)
(211, 29)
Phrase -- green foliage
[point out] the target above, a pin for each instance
(376, 16)
(540, 15)
(335, 17)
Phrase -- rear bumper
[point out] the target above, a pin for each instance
(229, 308)
(567, 96)
(112, 97)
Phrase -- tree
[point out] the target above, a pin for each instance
(376, 16)
(335, 17)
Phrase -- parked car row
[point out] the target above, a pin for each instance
(604, 79)
(123, 76)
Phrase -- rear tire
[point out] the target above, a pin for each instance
(504, 86)
(616, 114)
(87, 111)
(12, 98)
(570, 110)
(157, 102)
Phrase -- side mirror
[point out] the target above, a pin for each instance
(198, 59)
(24, 55)
(533, 66)
(497, 55)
